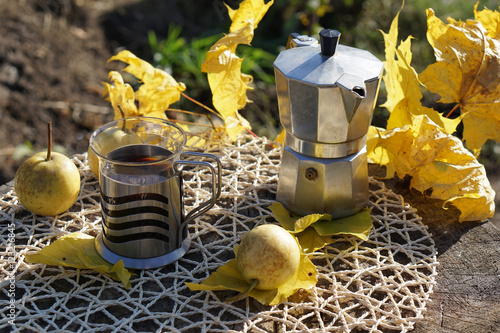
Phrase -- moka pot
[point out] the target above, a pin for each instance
(326, 96)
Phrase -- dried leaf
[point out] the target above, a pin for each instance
(418, 141)
(403, 86)
(121, 95)
(228, 84)
(490, 20)
(225, 78)
(285, 218)
(438, 161)
(358, 225)
(249, 11)
(228, 277)
(467, 72)
(78, 250)
(375, 153)
(235, 124)
(313, 230)
(158, 89)
(311, 241)
(304, 222)
(281, 137)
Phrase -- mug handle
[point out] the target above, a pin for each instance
(216, 185)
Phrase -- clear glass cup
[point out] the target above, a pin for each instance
(140, 176)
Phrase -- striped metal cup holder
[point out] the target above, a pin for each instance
(140, 175)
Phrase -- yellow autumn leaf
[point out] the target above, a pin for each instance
(121, 95)
(375, 153)
(228, 84)
(304, 222)
(229, 90)
(438, 161)
(235, 124)
(403, 86)
(250, 10)
(358, 225)
(285, 218)
(78, 250)
(281, 137)
(490, 20)
(466, 72)
(228, 277)
(158, 89)
(311, 241)
(313, 230)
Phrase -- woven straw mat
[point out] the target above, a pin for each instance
(382, 284)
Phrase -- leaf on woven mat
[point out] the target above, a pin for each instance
(228, 277)
(313, 231)
(466, 72)
(439, 162)
(311, 241)
(78, 250)
(358, 225)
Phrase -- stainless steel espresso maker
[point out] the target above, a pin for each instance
(326, 96)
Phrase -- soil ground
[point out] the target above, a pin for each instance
(53, 58)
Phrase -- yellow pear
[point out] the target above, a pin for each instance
(268, 256)
(48, 183)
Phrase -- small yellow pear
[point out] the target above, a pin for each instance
(269, 254)
(48, 183)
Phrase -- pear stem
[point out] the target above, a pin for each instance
(254, 283)
(49, 139)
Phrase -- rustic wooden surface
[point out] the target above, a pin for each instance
(466, 298)
(467, 295)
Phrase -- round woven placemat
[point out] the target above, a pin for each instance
(379, 285)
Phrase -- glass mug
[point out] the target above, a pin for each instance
(140, 177)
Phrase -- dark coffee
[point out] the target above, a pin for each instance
(139, 164)
(139, 153)
(140, 196)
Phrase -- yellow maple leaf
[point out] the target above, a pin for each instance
(281, 137)
(403, 86)
(228, 84)
(229, 89)
(438, 161)
(313, 231)
(466, 72)
(375, 153)
(121, 95)
(158, 89)
(235, 124)
(78, 250)
(490, 20)
(250, 10)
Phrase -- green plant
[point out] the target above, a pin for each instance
(182, 59)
